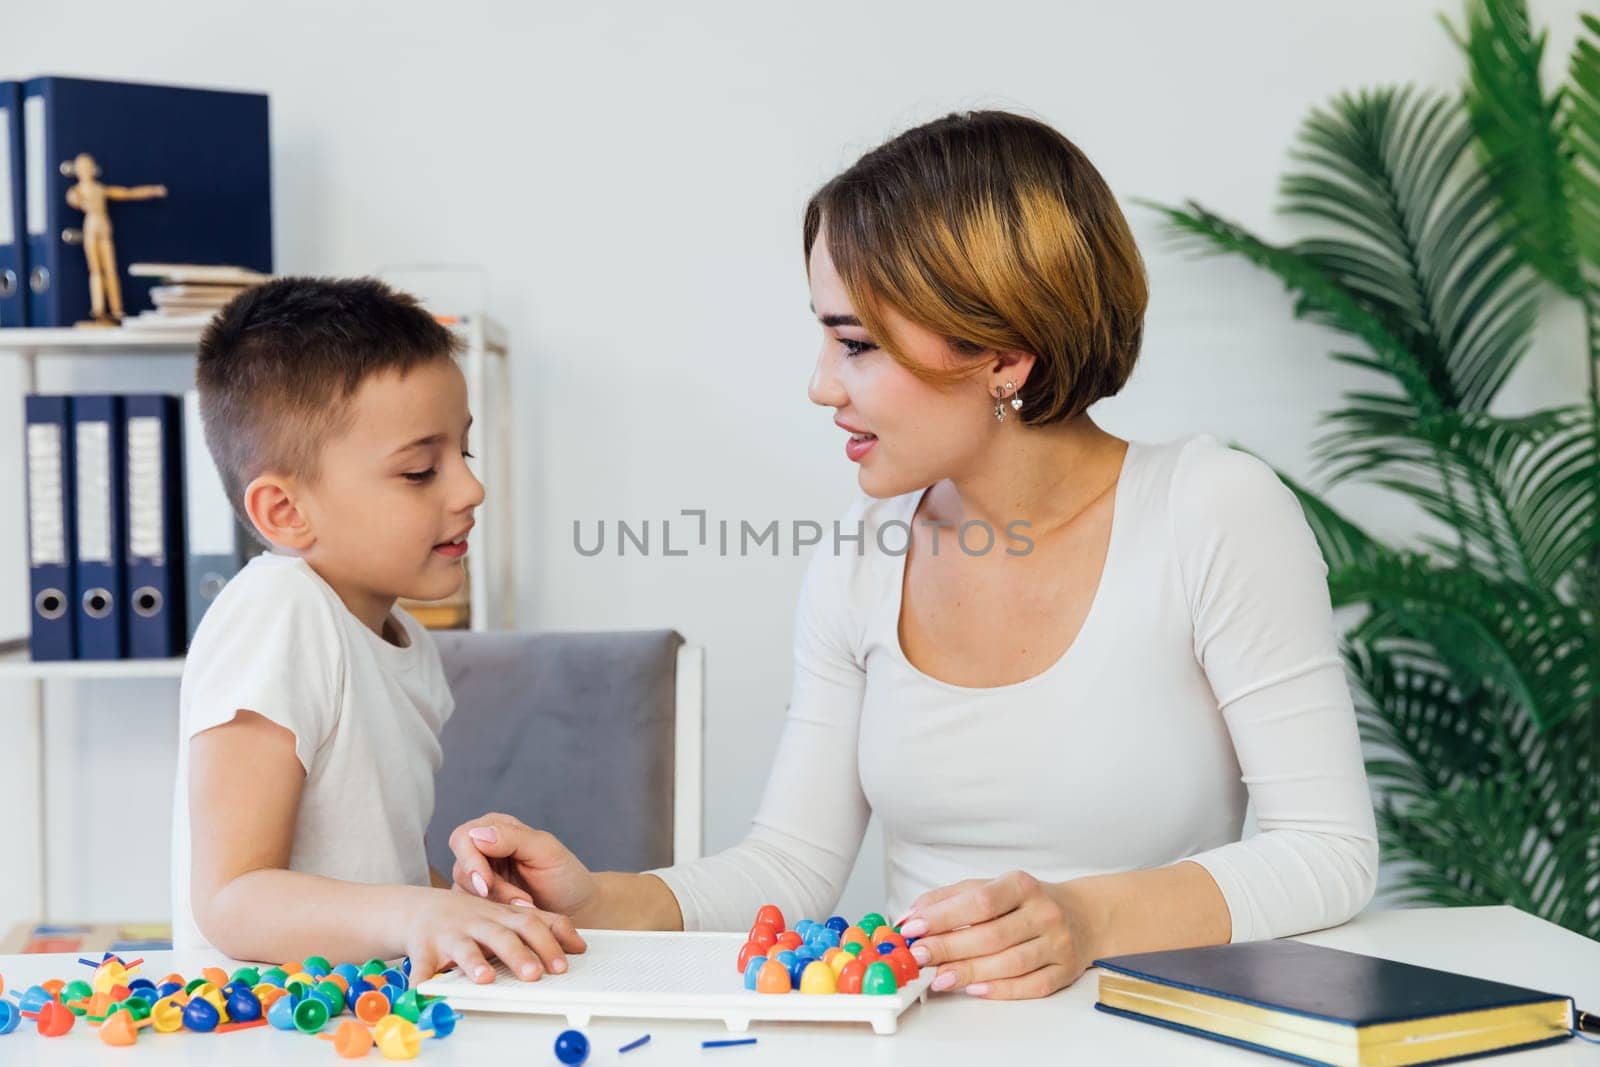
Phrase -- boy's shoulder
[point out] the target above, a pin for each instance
(270, 593)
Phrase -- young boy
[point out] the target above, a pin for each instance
(310, 706)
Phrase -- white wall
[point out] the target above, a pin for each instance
(631, 176)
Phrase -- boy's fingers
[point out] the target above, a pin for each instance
(468, 957)
(505, 944)
(423, 965)
(531, 926)
(566, 933)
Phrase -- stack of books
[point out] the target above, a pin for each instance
(189, 294)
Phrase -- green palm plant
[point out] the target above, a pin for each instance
(1441, 225)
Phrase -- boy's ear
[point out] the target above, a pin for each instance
(270, 503)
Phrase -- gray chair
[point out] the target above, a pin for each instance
(595, 737)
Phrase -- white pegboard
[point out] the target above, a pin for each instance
(657, 975)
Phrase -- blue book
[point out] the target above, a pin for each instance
(1322, 1006)
(210, 150)
(48, 447)
(13, 240)
(98, 451)
(154, 588)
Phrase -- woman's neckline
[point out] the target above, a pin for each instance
(1056, 665)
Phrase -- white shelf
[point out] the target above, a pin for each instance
(24, 340)
(17, 665)
(147, 341)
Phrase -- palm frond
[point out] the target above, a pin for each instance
(1416, 234)
(1521, 490)
(1521, 133)
(1514, 639)
(1318, 298)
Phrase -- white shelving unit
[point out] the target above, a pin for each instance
(484, 361)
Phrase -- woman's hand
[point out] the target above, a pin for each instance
(502, 859)
(1012, 938)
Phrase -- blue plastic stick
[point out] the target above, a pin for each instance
(630, 1046)
(728, 1044)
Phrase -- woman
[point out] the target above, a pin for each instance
(1050, 652)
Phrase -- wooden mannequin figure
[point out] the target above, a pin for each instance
(90, 196)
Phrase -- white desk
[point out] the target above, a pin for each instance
(1496, 943)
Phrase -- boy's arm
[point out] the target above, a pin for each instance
(244, 786)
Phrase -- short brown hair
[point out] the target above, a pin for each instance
(996, 232)
(278, 365)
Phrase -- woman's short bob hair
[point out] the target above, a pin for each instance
(994, 231)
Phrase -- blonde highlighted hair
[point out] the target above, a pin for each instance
(994, 231)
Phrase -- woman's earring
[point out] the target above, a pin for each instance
(1000, 400)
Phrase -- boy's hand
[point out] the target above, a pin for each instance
(459, 928)
(503, 859)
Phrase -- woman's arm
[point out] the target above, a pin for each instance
(1264, 633)
(501, 858)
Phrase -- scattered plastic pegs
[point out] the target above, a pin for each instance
(399, 1039)
(310, 1015)
(440, 1018)
(122, 1028)
(371, 1006)
(167, 1015)
(351, 1040)
(201, 1016)
(53, 1019)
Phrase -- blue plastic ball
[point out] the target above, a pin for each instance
(10, 1016)
(244, 1006)
(394, 977)
(839, 924)
(349, 972)
(572, 1048)
(200, 1016)
(798, 969)
(752, 969)
(787, 958)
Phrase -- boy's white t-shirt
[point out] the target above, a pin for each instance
(365, 715)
